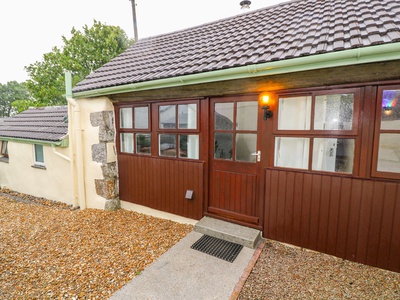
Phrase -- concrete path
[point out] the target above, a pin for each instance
(184, 273)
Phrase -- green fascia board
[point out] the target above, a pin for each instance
(61, 143)
(379, 53)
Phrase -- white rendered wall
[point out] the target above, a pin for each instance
(53, 183)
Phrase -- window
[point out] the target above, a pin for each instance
(175, 131)
(317, 131)
(4, 151)
(38, 155)
(387, 147)
(178, 130)
(235, 130)
(4, 148)
(134, 125)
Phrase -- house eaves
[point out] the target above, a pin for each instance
(62, 143)
(378, 53)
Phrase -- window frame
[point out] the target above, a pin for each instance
(235, 132)
(154, 130)
(378, 131)
(132, 130)
(312, 133)
(36, 162)
(177, 132)
(4, 149)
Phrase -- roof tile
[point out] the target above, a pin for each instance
(288, 30)
(43, 124)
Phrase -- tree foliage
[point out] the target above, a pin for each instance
(9, 93)
(83, 53)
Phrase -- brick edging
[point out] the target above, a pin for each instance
(247, 271)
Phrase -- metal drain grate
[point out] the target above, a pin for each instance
(216, 247)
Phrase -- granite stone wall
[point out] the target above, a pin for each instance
(106, 187)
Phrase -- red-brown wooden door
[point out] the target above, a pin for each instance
(235, 157)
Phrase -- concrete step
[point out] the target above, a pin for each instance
(248, 237)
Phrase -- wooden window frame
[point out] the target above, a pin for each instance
(354, 133)
(174, 131)
(132, 130)
(378, 131)
(153, 129)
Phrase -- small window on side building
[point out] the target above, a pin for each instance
(4, 151)
(38, 155)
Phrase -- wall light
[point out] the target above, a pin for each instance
(267, 102)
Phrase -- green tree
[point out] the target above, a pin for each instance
(10, 92)
(83, 53)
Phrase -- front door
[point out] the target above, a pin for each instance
(234, 160)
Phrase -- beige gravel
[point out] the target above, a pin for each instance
(49, 251)
(284, 272)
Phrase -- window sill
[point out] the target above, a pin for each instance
(39, 167)
(4, 159)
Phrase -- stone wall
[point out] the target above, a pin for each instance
(106, 187)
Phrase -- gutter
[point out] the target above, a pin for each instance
(76, 148)
(61, 143)
(356, 56)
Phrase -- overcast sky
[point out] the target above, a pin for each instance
(31, 28)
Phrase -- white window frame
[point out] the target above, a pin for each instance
(4, 148)
(38, 163)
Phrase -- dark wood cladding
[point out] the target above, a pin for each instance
(234, 196)
(351, 218)
(162, 183)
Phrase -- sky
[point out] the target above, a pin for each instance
(31, 28)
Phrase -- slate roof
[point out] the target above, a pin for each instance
(48, 124)
(289, 30)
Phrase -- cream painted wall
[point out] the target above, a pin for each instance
(90, 136)
(53, 183)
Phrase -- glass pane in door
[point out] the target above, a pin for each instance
(246, 144)
(223, 144)
(246, 117)
(223, 118)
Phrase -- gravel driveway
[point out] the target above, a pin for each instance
(48, 251)
(285, 272)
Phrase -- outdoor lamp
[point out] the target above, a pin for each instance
(267, 102)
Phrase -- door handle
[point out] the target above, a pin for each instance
(258, 154)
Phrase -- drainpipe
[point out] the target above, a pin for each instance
(60, 154)
(76, 147)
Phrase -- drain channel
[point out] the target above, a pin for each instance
(216, 247)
